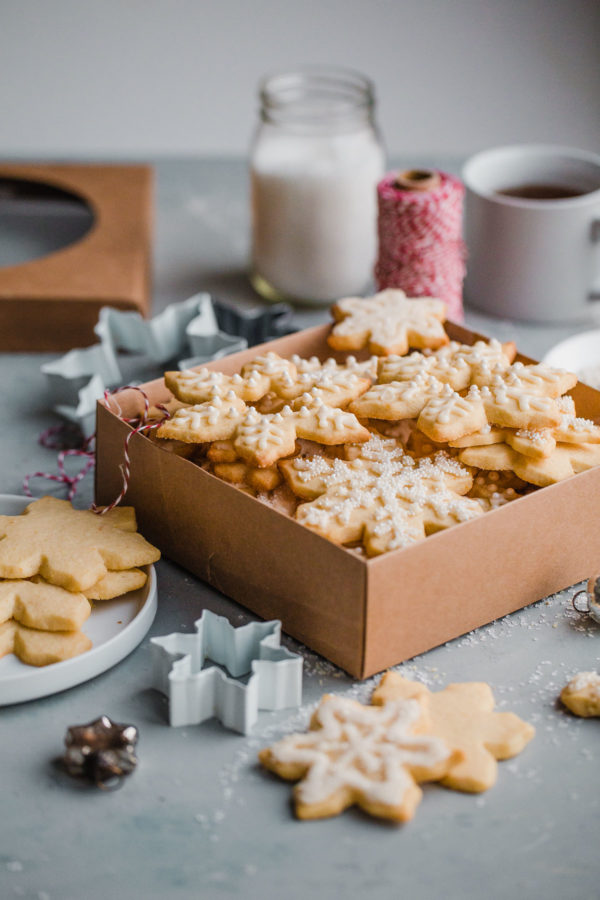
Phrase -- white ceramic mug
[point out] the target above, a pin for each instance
(531, 257)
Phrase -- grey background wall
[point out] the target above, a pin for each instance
(145, 77)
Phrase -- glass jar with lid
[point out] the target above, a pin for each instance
(315, 162)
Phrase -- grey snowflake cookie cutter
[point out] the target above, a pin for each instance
(196, 693)
(79, 378)
(196, 331)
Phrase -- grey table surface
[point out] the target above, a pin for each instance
(199, 818)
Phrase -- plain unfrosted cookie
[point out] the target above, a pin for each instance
(582, 694)
(41, 648)
(71, 548)
(114, 584)
(463, 716)
(38, 604)
(360, 755)
(563, 462)
(388, 323)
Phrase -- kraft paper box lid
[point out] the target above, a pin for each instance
(52, 303)
(363, 614)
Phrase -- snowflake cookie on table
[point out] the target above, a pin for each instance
(367, 756)
(463, 716)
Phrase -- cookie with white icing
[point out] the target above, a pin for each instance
(367, 756)
(389, 322)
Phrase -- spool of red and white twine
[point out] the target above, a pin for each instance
(420, 236)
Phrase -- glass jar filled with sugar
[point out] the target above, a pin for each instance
(315, 162)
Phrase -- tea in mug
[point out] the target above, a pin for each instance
(542, 192)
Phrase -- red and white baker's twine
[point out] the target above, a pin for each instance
(48, 439)
(420, 241)
(142, 427)
(51, 439)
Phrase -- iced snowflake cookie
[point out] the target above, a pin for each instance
(536, 378)
(367, 756)
(454, 364)
(441, 413)
(260, 439)
(380, 496)
(582, 694)
(197, 386)
(463, 716)
(388, 323)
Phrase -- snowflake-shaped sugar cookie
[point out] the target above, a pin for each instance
(463, 715)
(388, 322)
(442, 413)
(198, 386)
(359, 755)
(564, 461)
(336, 384)
(70, 547)
(263, 438)
(535, 378)
(454, 364)
(381, 498)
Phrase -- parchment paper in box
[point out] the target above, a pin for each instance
(363, 615)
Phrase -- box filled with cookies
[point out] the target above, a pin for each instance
(382, 485)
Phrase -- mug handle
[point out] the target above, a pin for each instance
(595, 236)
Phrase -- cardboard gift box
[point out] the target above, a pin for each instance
(51, 303)
(362, 614)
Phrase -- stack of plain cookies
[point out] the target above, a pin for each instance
(55, 560)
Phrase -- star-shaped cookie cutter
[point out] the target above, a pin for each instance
(197, 693)
(206, 328)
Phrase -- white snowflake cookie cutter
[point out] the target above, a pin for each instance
(78, 379)
(197, 693)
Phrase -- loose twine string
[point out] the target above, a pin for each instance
(420, 239)
(61, 437)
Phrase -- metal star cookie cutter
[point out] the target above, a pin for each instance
(206, 328)
(196, 693)
(257, 324)
(76, 380)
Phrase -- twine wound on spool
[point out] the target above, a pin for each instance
(420, 236)
(417, 180)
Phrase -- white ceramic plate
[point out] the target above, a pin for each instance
(579, 352)
(115, 628)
